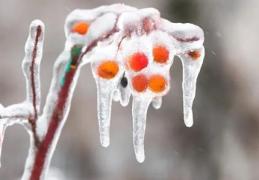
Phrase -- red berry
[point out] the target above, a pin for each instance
(157, 83)
(160, 54)
(108, 69)
(138, 61)
(140, 82)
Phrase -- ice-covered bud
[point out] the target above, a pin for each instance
(80, 28)
(137, 61)
(157, 83)
(160, 54)
(108, 69)
(140, 83)
(194, 55)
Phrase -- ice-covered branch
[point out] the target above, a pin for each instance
(26, 113)
(29, 109)
(55, 112)
(13, 113)
(31, 65)
(130, 50)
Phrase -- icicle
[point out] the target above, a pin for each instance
(191, 69)
(104, 102)
(106, 71)
(139, 113)
(157, 102)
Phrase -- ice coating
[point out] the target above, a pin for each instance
(144, 46)
(31, 63)
(59, 70)
(130, 51)
(61, 92)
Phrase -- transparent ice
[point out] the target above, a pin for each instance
(116, 35)
(131, 31)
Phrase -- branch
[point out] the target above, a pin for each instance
(31, 65)
(26, 113)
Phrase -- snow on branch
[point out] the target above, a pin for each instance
(130, 51)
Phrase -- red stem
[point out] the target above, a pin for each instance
(55, 120)
(32, 121)
(192, 39)
(34, 55)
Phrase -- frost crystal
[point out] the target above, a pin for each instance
(130, 50)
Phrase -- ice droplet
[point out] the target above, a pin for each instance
(139, 115)
(116, 95)
(157, 102)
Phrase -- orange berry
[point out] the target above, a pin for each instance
(140, 82)
(138, 61)
(194, 55)
(108, 69)
(157, 83)
(80, 28)
(160, 54)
